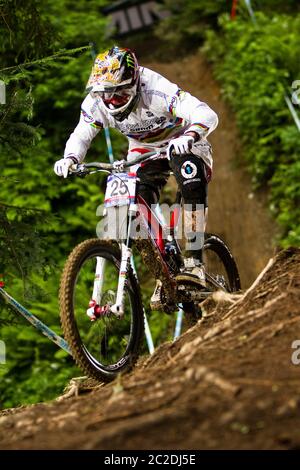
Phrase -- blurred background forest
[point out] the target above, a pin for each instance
(45, 62)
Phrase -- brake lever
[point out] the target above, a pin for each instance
(119, 165)
(170, 152)
(78, 169)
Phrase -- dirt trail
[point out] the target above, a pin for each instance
(229, 382)
(235, 213)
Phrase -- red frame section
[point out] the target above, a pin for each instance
(174, 218)
(153, 224)
(155, 228)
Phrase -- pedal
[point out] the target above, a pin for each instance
(156, 301)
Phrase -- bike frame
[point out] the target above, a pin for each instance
(156, 235)
(156, 231)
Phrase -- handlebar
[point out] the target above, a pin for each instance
(82, 169)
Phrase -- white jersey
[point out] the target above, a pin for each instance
(163, 112)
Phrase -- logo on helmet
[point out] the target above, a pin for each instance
(130, 61)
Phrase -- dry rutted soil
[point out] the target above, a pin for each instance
(229, 382)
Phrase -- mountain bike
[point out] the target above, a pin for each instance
(101, 306)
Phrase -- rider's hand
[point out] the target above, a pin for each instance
(182, 144)
(61, 167)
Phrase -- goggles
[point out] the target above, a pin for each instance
(115, 97)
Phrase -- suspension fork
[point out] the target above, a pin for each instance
(99, 279)
(126, 254)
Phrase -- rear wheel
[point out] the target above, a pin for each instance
(108, 345)
(220, 266)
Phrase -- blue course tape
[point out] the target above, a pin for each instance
(35, 322)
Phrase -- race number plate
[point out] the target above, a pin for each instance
(120, 189)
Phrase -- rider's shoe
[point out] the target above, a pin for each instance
(155, 301)
(194, 272)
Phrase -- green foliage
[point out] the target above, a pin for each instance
(42, 217)
(189, 20)
(17, 136)
(256, 65)
(22, 249)
(24, 32)
(271, 6)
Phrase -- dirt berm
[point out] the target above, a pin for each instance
(232, 381)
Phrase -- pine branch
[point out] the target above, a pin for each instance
(64, 54)
(22, 209)
(7, 228)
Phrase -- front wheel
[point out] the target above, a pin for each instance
(107, 345)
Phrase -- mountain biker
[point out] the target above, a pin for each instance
(153, 113)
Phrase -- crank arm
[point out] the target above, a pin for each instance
(201, 295)
(194, 296)
(212, 281)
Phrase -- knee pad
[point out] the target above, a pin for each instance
(192, 177)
